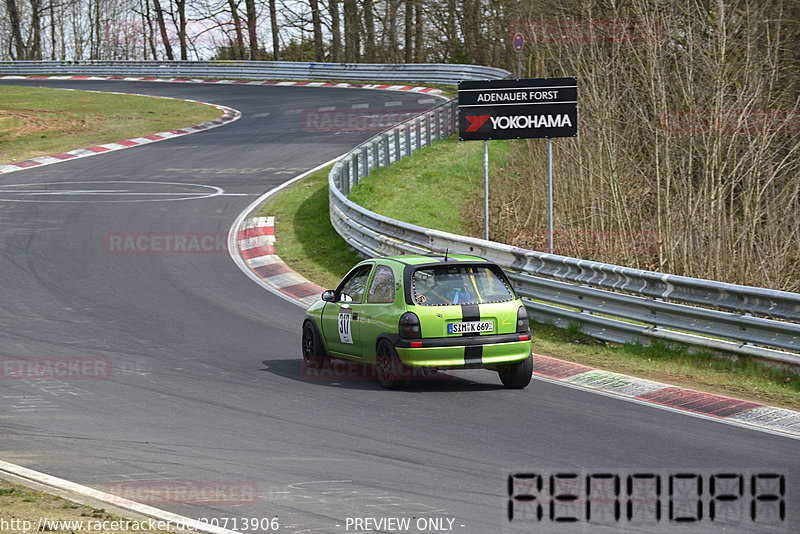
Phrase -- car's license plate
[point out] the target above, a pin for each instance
(470, 327)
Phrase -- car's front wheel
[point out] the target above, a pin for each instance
(389, 370)
(313, 351)
(517, 375)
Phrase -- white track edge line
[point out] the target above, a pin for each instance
(120, 502)
(233, 233)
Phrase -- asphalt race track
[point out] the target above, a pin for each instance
(206, 382)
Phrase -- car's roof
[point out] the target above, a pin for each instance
(419, 259)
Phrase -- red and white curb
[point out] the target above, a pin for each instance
(251, 246)
(228, 115)
(743, 413)
(256, 248)
(411, 88)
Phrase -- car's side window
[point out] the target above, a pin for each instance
(382, 289)
(356, 283)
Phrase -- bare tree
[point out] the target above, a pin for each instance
(369, 31)
(273, 17)
(16, 31)
(180, 6)
(419, 39)
(352, 45)
(408, 45)
(237, 27)
(252, 27)
(336, 31)
(390, 30)
(162, 26)
(316, 18)
(471, 27)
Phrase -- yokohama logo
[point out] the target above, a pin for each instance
(475, 122)
(530, 121)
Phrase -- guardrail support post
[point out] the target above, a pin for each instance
(364, 162)
(408, 139)
(346, 169)
(397, 154)
(345, 183)
(376, 162)
(386, 160)
(428, 129)
(437, 132)
(418, 125)
(354, 160)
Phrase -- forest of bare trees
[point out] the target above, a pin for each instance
(688, 153)
(687, 159)
(384, 31)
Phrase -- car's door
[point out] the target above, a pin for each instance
(340, 320)
(378, 314)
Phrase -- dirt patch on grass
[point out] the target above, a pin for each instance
(25, 123)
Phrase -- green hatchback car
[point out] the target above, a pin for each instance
(404, 314)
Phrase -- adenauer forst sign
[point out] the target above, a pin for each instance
(517, 109)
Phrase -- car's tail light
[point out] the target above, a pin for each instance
(409, 326)
(522, 320)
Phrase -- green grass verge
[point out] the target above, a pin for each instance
(433, 188)
(663, 362)
(37, 121)
(27, 507)
(429, 189)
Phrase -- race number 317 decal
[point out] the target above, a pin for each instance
(345, 333)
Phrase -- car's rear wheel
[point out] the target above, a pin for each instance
(517, 375)
(389, 370)
(313, 351)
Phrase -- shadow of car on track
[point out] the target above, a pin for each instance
(355, 375)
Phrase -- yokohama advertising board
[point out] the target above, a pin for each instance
(517, 109)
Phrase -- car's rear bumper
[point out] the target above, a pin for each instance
(464, 352)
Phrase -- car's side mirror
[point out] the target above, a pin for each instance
(329, 295)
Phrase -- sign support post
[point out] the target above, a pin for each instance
(550, 187)
(486, 189)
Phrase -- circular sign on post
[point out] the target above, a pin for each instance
(519, 42)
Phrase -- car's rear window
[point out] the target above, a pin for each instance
(442, 285)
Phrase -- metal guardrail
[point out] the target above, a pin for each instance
(432, 73)
(610, 302)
